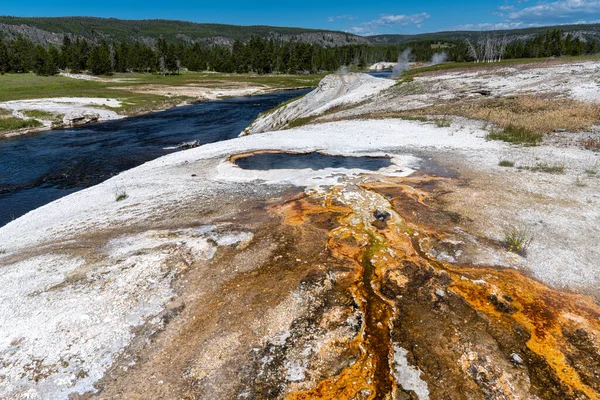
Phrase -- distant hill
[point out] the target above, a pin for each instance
(51, 31)
(584, 32)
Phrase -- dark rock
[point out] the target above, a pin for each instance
(382, 216)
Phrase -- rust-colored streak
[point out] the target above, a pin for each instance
(543, 311)
(302, 208)
(559, 324)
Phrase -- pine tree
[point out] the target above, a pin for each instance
(66, 54)
(3, 58)
(99, 62)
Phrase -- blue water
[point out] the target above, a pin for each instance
(381, 74)
(36, 170)
(314, 161)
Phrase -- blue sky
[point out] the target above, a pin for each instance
(362, 17)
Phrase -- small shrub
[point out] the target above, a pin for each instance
(580, 183)
(120, 194)
(2, 251)
(592, 170)
(548, 168)
(514, 135)
(506, 163)
(517, 240)
(442, 122)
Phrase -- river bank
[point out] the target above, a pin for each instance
(41, 168)
(31, 104)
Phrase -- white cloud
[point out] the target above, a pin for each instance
(506, 8)
(342, 17)
(389, 22)
(561, 12)
(557, 12)
(491, 26)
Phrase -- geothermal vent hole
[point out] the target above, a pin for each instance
(315, 161)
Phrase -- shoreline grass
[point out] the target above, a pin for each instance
(123, 87)
(14, 123)
(119, 86)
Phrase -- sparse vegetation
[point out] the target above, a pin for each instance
(526, 117)
(14, 123)
(515, 135)
(442, 122)
(517, 239)
(580, 183)
(413, 118)
(591, 144)
(506, 62)
(299, 122)
(2, 251)
(120, 194)
(123, 87)
(405, 79)
(506, 163)
(592, 170)
(549, 168)
(39, 114)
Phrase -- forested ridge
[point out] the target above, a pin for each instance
(257, 55)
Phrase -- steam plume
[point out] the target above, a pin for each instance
(439, 58)
(402, 65)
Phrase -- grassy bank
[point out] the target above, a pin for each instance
(130, 89)
(31, 86)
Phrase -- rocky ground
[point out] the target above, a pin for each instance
(61, 111)
(209, 281)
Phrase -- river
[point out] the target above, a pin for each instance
(36, 170)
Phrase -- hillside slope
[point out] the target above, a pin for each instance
(48, 30)
(584, 32)
(51, 30)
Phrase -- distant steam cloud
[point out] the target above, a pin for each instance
(403, 63)
(439, 58)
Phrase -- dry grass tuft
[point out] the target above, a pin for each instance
(591, 144)
(530, 113)
(524, 116)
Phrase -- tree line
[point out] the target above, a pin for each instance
(554, 43)
(258, 55)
